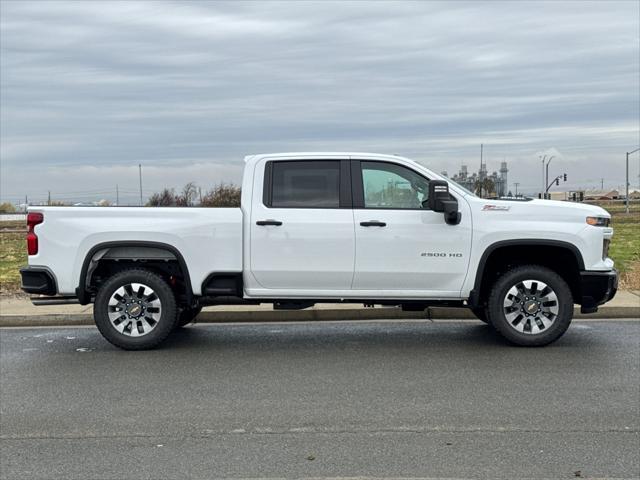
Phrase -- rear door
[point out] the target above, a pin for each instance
(302, 233)
(404, 249)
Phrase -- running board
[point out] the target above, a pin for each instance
(54, 301)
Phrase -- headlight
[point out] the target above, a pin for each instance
(599, 221)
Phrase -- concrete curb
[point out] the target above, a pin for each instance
(225, 316)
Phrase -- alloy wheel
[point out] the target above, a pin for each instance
(530, 307)
(134, 309)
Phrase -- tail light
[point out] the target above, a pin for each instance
(33, 219)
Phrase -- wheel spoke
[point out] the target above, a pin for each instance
(538, 324)
(152, 297)
(150, 321)
(127, 327)
(128, 289)
(115, 313)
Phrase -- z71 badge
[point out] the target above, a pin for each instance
(496, 208)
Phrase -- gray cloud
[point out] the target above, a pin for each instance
(91, 89)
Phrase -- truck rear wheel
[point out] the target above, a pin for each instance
(531, 306)
(135, 309)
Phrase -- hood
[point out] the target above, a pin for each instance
(552, 206)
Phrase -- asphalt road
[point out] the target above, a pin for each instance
(381, 399)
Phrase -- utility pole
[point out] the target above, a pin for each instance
(117, 196)
(626, 185)
(516, 184)
(602, 184)
(200, 193)
(480, 180)
(26, 203)
(49, 198)
(140, 177)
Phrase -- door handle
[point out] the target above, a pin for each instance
(373, 223)
(275, 223)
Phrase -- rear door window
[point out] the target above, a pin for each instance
(304, 184)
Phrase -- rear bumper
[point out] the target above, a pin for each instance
(597, 288)
(38, 280)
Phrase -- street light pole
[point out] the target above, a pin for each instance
(626, 185)
(546, 178)
(543, 178)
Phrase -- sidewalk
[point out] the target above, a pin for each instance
(19, 311)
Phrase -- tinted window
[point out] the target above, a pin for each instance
(392, 186)
(308, 184)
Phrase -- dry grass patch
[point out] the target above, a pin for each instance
(13, 255)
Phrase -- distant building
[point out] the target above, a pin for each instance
(472, 182)
(559, 196)
(601, 195)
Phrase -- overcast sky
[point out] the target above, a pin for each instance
(91, 89)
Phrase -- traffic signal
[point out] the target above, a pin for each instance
(557, 181)
(565, 177)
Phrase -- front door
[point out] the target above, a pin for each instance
(302, 236)
(403, 249)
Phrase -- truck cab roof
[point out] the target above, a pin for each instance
(323, 155)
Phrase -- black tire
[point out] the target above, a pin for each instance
(563, 306)
(481, 314)
(187, 315)
(165, 317)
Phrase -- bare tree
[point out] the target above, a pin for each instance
(7, 207)
(223, 195)
(165, 198)
(189, 194)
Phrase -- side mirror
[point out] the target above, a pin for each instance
(440, 200)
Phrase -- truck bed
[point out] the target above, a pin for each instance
(209, 239)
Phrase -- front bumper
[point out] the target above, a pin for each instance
(597, 288)
(38, 280)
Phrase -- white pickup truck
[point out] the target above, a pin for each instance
(327, 227)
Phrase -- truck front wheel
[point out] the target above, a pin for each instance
(135, 309)
(531, 306)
